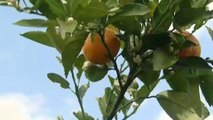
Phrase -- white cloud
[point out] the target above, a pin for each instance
(22, 107)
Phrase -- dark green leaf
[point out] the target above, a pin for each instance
(83, 89)
(164, 5)
(38, 36)
(178, 106)
(162, 59)
(187, 16)
(206, 83)
(72, 50)
(185, 70)
(56, 6)
(44, 8)
(32, 23)
(129, 25)
(163, 15)
(193, 67)
(210, 32)
(79, 115)
(97, 8)
(133, 9)
(154, 41)
(148, 75)
(58, 79)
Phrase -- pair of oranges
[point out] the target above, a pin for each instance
(95, 51)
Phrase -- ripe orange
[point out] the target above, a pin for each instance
(192, 50)
(95, 51)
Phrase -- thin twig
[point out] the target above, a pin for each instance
(77, 94)
(120, 97)
(135, 100)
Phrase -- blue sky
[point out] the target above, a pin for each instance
(27, 94)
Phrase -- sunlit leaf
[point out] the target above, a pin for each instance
(197, 3)
(80, 116)
(33, 23)
(83, 89)
(38, 36)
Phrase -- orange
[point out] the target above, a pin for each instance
(95, 51)
(194, 50)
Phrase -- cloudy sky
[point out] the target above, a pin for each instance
(27, 94)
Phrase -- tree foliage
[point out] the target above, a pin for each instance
(148, 31)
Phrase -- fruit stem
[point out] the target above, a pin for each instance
(111, 57)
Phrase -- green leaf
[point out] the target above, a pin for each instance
(193, 67)
(133, 9)
(125, 2)
(94, 72)
(163, 15)
(106, 101)
(129, 25)
(197, 3)
(178, 106)
(155, 41)
(56, 39)
(56, 6)
(164, 5)
(58, 79)
(72, 50)
(38, 36)
(33, 23)
(83, 89)
(79, 64)
(79, 115)
(206, 83)
(210, 32)
(144, 92)
(148, 75)
(187, 16)
(44, 8)
(185, 70)
(97, 8)
(162, 59)
(60, 118)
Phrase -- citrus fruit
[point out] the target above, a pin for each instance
(95, 51)
(194, 50)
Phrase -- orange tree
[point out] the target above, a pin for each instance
(151, 34)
